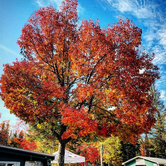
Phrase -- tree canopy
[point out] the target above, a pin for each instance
(84, 80)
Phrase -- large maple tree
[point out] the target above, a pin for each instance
(83, 80)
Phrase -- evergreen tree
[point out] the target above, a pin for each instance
(154, 142)
(129, 150)
(159, 129)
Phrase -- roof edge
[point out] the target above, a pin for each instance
(152, 159)
(26, 151)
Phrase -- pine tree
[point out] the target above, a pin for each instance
(159, 129)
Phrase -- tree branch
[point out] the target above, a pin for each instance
(90, 75)
(90, 103)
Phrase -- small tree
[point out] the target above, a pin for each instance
(158, 131)
(73, 76)
(42, 136)
(129, 150)
(4, 133)
(112, 153)
(154, 143)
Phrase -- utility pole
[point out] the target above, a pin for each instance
(101, 154)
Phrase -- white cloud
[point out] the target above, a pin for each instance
(163, 95)
(160, 55)
(56, 4)
(150, 36)
(8, 50)
(140, 9)
(40, 3)
(160, 83)
(155, 40)
(43, 3)
(143, 13)
(162, 36)
(123, 6)
(80, 9)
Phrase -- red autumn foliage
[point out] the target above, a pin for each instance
(90, 152)
(16, 139)
(23, 143)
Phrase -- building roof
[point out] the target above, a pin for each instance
(70, 157)
(9, 149)
(152, 159)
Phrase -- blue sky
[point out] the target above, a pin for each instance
(149, 15)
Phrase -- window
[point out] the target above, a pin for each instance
(2, 164)
(33, 163)
(9, 163)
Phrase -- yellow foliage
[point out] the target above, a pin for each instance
(112, 151)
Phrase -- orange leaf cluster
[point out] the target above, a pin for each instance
(90, 152)
(25, 144)
(82, 122)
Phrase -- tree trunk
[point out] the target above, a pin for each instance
(61, 153)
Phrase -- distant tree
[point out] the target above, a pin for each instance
(4, 133)
(146, 146)
(159, 138)
(158, 131)
(14, 138)
(112, 151)
(154, 143)
(129, 150)
(20, 141)
(90, 152)
(72, 76)
(44, 139)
